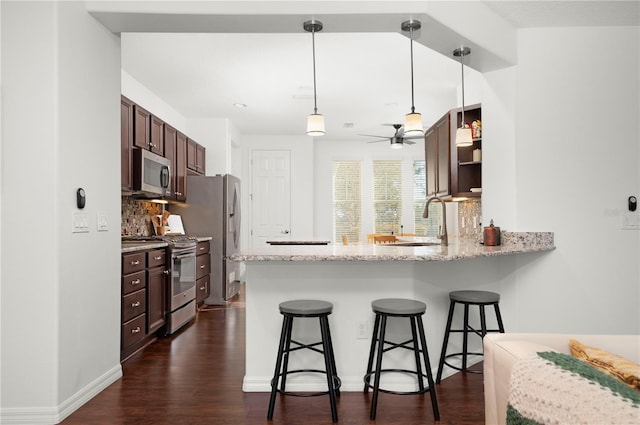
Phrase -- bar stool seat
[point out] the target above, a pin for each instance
(399, 307)
(468, 298)
(305, 309)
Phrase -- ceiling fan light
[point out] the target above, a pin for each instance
(396, 145)
(413, 124)
(463, 137)
(315, 125)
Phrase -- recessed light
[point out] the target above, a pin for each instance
(240, 105)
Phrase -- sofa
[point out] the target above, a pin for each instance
(503, 351)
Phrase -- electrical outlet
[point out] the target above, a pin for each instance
(362, 330)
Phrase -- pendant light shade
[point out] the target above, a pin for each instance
(463, 134)
(315, 122)
(315, 125)
(413, 120)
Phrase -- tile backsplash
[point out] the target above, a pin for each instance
(467, 212)
(136, 216)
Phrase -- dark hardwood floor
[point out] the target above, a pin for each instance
(195, 377)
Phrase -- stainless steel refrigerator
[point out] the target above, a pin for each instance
(213, 209)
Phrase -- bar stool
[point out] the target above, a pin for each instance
(397, 307)
(305, 308)
(467, 298)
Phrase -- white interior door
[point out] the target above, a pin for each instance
(270, 196)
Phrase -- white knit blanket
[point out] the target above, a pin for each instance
(555, 388)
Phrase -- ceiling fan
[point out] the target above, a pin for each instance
(397, 140)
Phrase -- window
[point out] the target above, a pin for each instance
(387, 196)
(346, 199)
(424, 226)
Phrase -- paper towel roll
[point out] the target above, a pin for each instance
(477, 155)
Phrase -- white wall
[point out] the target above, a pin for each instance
(575, 161)
(60, 291)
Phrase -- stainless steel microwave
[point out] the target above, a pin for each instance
(151, 174)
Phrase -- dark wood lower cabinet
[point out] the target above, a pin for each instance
(203, 271)
(144, 299)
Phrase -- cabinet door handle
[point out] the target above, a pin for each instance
(166, 272)
(202, 288)
(202, 248)
(136, 282)
(159, 257)
(135, 263)
(136, 330)
(202, 266)
(135, 304)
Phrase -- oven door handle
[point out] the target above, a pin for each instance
(180, 257)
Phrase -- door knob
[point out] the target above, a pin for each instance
(286, 232)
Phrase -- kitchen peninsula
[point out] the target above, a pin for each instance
(350, 277)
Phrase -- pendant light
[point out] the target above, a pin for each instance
(315, 122)
(463, 134)
(413, 120)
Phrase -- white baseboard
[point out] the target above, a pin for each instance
(56, 414)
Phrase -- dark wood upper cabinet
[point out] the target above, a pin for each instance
(181, 167)
(436, 145)
(142, 123)
(466, 174)
(195, 157)
(156, 133)
(126, 143)
(141, 129)
(175, 150)
(451, 170)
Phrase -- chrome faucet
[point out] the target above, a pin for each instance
(443, 229)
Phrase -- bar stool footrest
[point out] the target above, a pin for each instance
(382, 390)
(459, 368)
(337, 383)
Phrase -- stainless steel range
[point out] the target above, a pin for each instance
(182, 286)
(181, 294)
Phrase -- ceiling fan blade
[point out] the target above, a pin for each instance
(413, 137)
(371, 135)
(378, 141)
(408, 142)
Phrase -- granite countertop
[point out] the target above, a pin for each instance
(133, 246)
(458, 249)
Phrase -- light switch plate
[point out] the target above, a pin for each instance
(80, 222)
(101, 221)
(630, 221)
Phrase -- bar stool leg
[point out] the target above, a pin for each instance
(499, 317)
(376, 381)
(326, 346)
(334, 369)
(276, 373)
(416, 351)
(465, 337)
(483, 322)
(427, 365)
(287, 349)
(372, 350)
(443, 354)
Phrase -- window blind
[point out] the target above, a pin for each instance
(347, 195)
(387, 195)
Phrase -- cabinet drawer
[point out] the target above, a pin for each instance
(133, 331)
(132, 263)
(202, 248)
(133, 305)
(156, 258)
(202, 289)
(133, 282)
(203, 265)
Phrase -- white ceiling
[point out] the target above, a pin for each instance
(363, 79)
